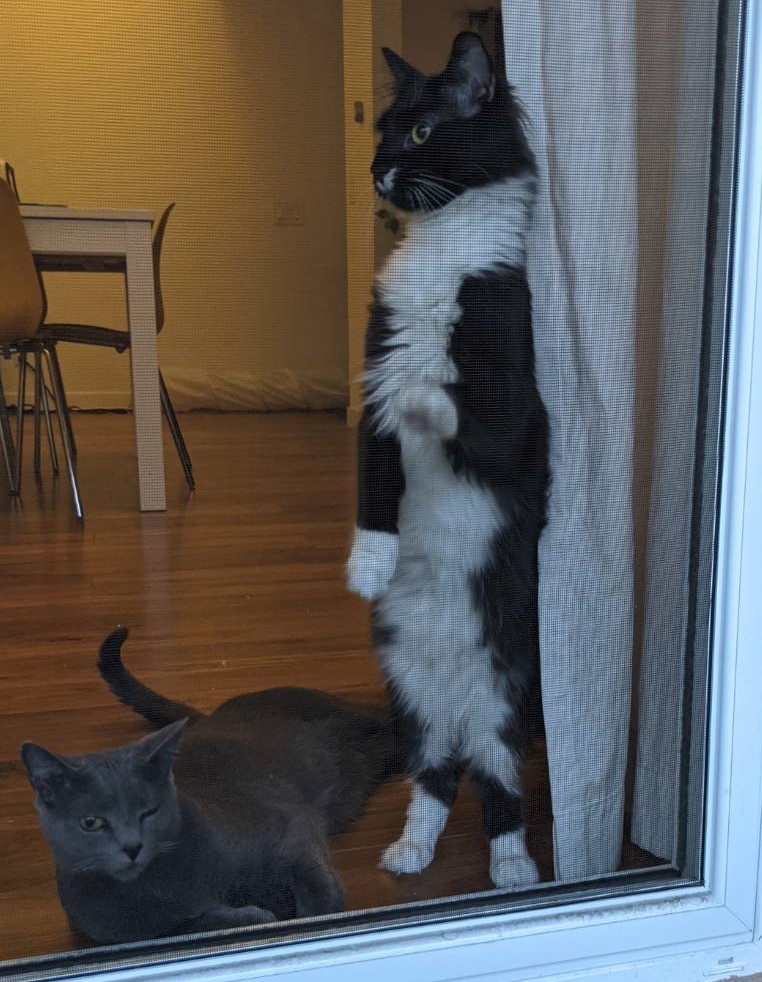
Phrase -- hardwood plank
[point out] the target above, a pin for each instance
(237, 588)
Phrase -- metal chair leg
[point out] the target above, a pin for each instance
(59, 397)
(37, 409)
(177, 436)
(20, 422)
(49, 426)
(63, 407)
(6, 440)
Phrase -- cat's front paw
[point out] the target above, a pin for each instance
(407, 856)
(252, 914)
(371, 563)
(511, 866)
(429, 410)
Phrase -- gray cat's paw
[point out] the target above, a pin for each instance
(407, 856)
(371, 563)
(429, 410)
(257, 915)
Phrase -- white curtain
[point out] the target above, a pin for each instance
(618, 93)
(573, 65)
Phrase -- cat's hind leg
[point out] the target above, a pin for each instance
(495, 777)
(434, 789)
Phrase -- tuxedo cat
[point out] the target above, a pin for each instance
(214, 821)
(453, 451)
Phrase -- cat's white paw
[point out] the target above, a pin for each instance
(407, 856)
(428, 409)
(371, 563)
(511, 866)
(510, 874)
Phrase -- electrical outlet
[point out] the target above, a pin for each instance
(288, 213)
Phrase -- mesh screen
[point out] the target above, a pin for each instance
(526, 654)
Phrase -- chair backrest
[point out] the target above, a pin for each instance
(158, 241)
(22, 305)
(7, 173)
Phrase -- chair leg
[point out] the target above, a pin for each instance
(48, 425)
(63, 407)
(177, 436)
(20, 422)
(37, 409)
(6, 440)
(59, 397)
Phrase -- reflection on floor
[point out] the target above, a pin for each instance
(236, 589)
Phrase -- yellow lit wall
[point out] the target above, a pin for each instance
(230, 108)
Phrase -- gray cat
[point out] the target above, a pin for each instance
(214, 821)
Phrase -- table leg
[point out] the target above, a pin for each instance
(141, 309)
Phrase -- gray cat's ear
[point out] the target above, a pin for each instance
(470, 80)
(158, 750)
(403, 72)
(49, 774)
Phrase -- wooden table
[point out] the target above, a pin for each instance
(115, 241)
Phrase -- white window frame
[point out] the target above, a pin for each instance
(677, 935)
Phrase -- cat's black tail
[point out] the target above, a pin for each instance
(156, 708)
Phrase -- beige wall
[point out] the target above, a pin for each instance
(429, 26)
(226, 107)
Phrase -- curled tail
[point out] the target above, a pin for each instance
(156, 708)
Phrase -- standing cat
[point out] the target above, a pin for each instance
(215, 821)
(453, 456)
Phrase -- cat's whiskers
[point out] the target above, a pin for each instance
(420, 195)
(483, 170)
(438, 195)
(423, 197)
(443, 180)
(431, 198)
(86, 866)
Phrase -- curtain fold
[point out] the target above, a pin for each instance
(573, 66)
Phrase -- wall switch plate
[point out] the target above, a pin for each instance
(288, 213)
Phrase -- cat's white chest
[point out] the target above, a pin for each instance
(480, 231)
(417, 360)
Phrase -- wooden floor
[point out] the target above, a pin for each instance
(236, 588)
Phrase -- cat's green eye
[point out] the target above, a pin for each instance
(420, 133)
(91, 823)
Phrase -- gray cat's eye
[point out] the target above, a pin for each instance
(91, 823)
(148, 813)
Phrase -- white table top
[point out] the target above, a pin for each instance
(64, 212)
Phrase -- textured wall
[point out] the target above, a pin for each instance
(225, 106)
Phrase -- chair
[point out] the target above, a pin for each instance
(7, 173)
(22, 310)
(119, 341)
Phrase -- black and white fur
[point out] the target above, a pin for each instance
(453, 470)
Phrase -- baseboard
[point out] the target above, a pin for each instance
(276, 391)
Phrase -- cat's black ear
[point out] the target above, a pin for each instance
(158, 750)
(49, 774)
(403, 72)
(469, 78)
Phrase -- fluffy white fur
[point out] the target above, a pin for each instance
(371, 562)
(481, 229)
(511, 865)
(414, 850)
